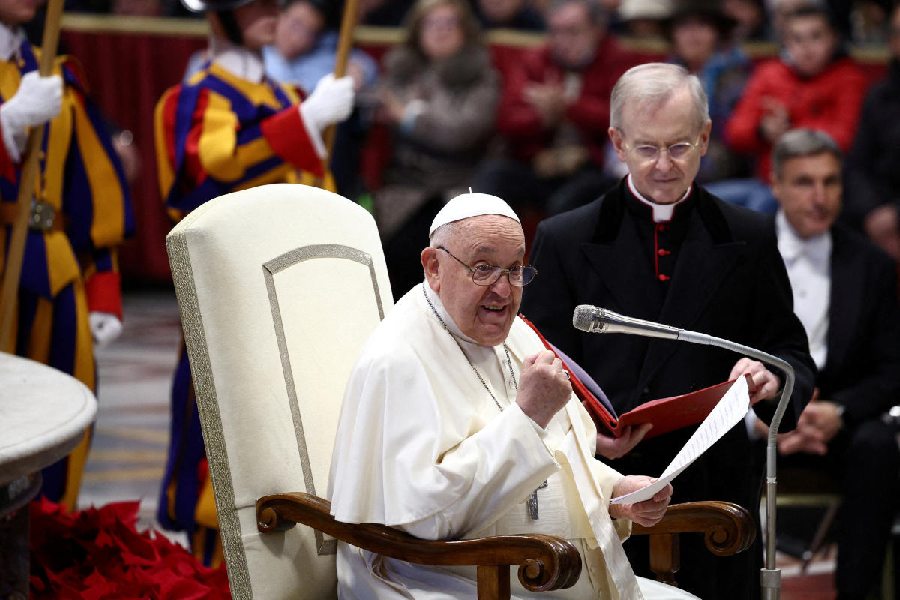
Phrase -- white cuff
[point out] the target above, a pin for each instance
(750, 420)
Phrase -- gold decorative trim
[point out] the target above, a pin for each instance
(270, 269)
(207, 403)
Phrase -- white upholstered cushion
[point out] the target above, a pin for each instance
(278, 288)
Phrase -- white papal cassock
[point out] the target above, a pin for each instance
(421, 445)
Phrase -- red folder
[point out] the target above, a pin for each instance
(666, 414)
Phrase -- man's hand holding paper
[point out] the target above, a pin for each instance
(764, 384)
(647, 512)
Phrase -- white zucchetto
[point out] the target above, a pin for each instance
(472, 204)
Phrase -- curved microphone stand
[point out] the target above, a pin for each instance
(599, 320)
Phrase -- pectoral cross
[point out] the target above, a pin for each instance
(532, 502)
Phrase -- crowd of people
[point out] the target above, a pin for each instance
(648, 179)
(442, 112)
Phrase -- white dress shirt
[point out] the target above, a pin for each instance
(808, 263)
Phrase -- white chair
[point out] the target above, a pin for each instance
(278, 288)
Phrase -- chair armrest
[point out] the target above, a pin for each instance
(728, 527)
(545, 562)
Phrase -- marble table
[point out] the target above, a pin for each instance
(43, 414)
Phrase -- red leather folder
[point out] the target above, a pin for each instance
(666, 414)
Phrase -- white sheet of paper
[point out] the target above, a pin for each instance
(727, 413)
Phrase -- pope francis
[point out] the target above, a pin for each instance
(458, 423)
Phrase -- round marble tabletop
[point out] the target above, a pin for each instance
(43, 414)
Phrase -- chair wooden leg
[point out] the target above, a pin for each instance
(493, 582)
(664, 557)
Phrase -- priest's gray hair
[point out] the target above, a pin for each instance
(654, 84)
(801, 142)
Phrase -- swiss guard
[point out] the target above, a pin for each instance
(68, 297)
(229, 127)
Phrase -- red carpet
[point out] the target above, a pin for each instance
(808, 587)
(816, 584)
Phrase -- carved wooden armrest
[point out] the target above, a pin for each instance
(727, 527)
(545, 562)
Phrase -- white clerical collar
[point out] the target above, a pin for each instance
(661, 212)
(792, 246)
(10, 42)
(455, 331)
(239, 61)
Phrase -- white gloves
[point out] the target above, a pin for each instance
(37, 100)
(330, 102)
(104, 327)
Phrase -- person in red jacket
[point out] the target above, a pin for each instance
(554, 113)
(813, 84)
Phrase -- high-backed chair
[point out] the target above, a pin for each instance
(278, 287)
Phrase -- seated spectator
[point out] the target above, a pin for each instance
(813, 84)
(700, 33)
(845, 294)
(508, 14)
(554, 114)
(438, 97)
(305, 49)
(873, 165)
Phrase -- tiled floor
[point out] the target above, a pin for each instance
(131, 434)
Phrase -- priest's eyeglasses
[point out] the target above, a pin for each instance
(650, 153)
(485, 274)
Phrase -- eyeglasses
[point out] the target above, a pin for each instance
(485, 274)
(650, 153)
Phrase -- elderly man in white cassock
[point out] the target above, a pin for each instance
(458, 423)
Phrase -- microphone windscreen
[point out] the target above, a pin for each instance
(585, 317)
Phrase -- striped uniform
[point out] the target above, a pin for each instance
(218, 133)
(69, 267)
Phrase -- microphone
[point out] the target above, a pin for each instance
(593, 319)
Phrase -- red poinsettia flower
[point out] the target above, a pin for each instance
(98, 554)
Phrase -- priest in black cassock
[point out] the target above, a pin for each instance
(659, 247)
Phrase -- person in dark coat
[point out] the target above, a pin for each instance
(845, 294)
(660, 247)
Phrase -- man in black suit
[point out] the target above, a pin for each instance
(659, 247)
(845, 294)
